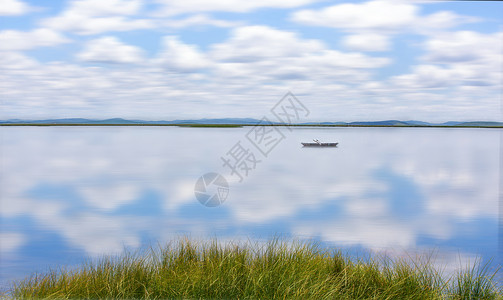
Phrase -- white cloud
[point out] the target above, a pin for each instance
(261, 54)
(13, 8)
(247, 68)
(110, 50)
(368, 15)
(14, 60)
(426, 76)
(254, 43)
(442, 19)
(197, 20)
(367, 42)
(21, 40)
(175, 7)
(104, 8)
(464, 47)
(88, 17)
(462, 58)
(183, 73)
(89, 26)
(177, 56)
(382, 16)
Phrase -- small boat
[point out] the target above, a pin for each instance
(319, 144)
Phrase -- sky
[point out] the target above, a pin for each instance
(373, 60)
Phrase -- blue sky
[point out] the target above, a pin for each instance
(166, 59)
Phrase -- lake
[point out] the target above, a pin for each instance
(72, 193)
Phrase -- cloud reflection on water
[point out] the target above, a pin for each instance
(98, 190)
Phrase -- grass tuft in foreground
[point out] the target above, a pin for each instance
(188, 270)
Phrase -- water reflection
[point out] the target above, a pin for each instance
(72, 192)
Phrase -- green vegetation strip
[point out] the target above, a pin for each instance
(186, 269)
(210, 125)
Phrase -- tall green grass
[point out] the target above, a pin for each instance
(185, 269)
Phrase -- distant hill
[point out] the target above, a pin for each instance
(419, 123)
(481, 124)
(245, 121)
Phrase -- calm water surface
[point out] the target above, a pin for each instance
(70, 193)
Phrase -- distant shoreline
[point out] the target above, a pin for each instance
(248, 125)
